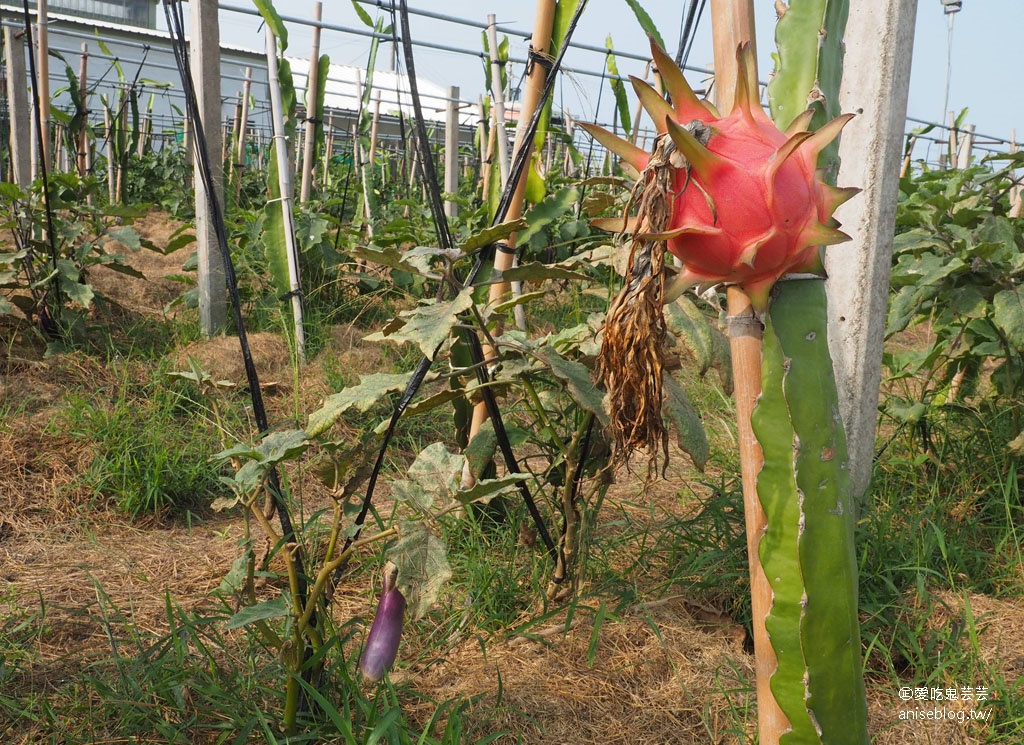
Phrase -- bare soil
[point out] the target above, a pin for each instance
(669, 671)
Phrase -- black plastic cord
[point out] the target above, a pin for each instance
(176, 27)
(51, 328)
(688, 34)
(445, 240)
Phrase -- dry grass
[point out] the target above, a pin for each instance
(668, 672)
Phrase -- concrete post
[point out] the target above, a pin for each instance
(451, 151)
(876, 81)
(204, 30)
(17, 103)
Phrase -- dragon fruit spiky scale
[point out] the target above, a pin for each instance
(747, 207)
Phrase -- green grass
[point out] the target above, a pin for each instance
(152, 442)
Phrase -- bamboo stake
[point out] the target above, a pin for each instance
(328, 150)
(232, 146)
(540, 43)
(1016, 193)
(43, 70)
(284, 176)
(312, 95)
(111, 179)
(963, 156)
(498, 97)
(243, 123)
(481, 138)
(82, 146)
(451, 150)
(732, 25)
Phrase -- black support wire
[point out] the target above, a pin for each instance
(688, 31)
(445, 239)
(176, 25)
(50, 323)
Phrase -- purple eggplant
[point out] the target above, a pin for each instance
(386, 631)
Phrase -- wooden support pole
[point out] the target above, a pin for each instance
(108, 129)
(43, 74)
(312, 95)
(732, 23)
(205, 48)
(1016, 192)
(18, 109)
(963, 154)
(243, 125)
(82, 146)
(541, 43)
(231, 144)
(328, 150)
(451, 150)
(498, 98)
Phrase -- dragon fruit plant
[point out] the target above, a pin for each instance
(745, 204)
(742, 202)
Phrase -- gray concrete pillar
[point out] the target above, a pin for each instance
(204, 37)
(876, 81)
(17, 102)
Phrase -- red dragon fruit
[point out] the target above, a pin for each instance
(746, 207)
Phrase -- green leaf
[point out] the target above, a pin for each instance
(535, 271)
(283, 445)
(550, 209)
(363, 15)
(618, 89)
(269, 13)
(481, 449)
(690, 434)
(436, 469)
(11, 191)
(68, 277)
(127, 236)
(708, 345)
(649, 27)
(423, 568)
(427, 325)
(1008, 314)
(371, 389)
(276, 608)
(485, 490)
(492, 234)
(577, 378)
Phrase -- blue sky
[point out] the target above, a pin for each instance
(987, 53)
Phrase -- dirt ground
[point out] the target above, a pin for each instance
(666, 672)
